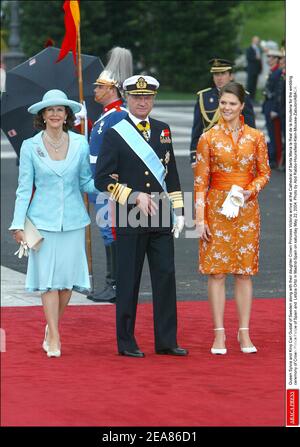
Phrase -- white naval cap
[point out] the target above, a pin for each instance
(141, 85)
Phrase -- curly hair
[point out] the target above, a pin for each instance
(38, 120)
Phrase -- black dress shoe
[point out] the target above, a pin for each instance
(173, 351)
(103, 297)
(112, 300)
(135, 353)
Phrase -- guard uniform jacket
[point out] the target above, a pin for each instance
(271, 90)
(206, 115)
(134, 176)
(110, 116)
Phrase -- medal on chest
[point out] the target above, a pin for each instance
(100, 127)
(165, 136)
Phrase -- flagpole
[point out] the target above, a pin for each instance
(86, 200)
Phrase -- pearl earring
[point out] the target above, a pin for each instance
(65, 121)
(44, 121)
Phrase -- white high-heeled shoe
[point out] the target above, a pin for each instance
(247, 349)
(45, 343)
(55, 352)
(220, 351)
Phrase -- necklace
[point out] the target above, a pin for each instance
(55, 144)
(236, 129)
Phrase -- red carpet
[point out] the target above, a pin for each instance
(90, 385)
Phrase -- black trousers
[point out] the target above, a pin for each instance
(131, 251)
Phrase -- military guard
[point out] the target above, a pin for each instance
(270, 107)
(108, 92)
(149, 211)
(206, 112)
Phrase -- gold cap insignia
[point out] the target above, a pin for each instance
(141, 83)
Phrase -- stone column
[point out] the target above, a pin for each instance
(14, 55)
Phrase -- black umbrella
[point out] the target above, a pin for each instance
(27, 83)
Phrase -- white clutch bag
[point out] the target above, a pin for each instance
(33, 239)
(32, 235)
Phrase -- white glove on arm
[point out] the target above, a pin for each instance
(81, 115)
(178, 226)
(233, 202)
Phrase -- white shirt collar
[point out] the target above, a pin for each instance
(137, 120)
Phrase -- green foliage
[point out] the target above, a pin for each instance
(3, 40)
(186, 34)
(40, 20)
(265, 19)
(172, 40)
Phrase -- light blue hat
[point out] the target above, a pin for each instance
(54, 98)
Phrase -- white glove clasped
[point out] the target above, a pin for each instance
(178, 226)
(23, 250)
(233, 202)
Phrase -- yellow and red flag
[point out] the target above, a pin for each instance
(72, 22)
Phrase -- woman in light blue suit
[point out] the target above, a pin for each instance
(56, 163)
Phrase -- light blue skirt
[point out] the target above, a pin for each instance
(60, 263)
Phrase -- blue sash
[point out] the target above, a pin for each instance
(142, 149)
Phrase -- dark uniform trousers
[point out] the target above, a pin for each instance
(152, 239)
(131, 251)
(269, 105)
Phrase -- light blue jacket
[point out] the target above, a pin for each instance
(57, 204)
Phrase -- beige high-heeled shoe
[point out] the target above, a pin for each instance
(220, 351)
(248, 349)
(45, 343)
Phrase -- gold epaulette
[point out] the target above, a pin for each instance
(176, 198)
(210, 122)
(119, 192)
(204, 90)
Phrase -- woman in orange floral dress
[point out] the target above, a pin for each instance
(231, 153)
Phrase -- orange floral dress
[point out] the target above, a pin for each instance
(234, 243)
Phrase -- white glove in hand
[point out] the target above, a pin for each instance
(82, 114)
(178, 226)
(233, 202)
(23, 250)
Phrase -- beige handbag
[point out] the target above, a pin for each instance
(33, 239)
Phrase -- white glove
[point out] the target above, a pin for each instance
(178, 226)
(233, 202)
(82, 114)
(273, 114)
(23, 250)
